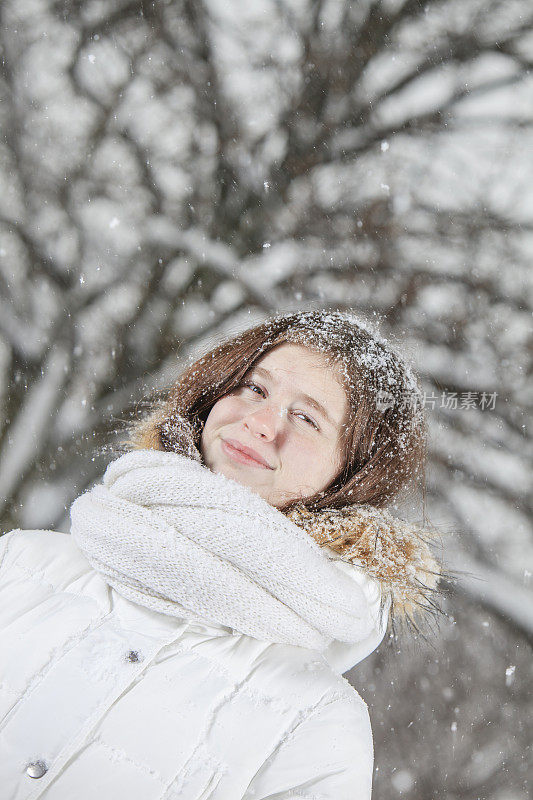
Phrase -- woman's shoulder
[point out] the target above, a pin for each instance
(34, 545)
(47, 556)
(305, 677)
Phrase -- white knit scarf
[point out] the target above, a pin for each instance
(171, 535)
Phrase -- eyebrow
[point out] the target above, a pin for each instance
(307, 398)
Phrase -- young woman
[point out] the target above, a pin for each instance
(188, 639)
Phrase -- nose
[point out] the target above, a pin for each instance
(264, 423)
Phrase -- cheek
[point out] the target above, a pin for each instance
(317, 458)
(223, 412)
(306, 457)
(306, 450)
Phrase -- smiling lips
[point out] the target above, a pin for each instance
(245, 455)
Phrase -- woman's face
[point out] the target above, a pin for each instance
(288, 413)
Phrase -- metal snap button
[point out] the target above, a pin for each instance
(36, 769)
(133, 656)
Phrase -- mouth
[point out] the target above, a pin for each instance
(244, 455)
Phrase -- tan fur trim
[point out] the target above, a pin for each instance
(145, 435)
(393, 552)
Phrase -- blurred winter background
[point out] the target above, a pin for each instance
(176, 170)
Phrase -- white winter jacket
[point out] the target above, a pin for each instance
(104, 698)
(113, 685)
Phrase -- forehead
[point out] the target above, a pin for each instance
(295, 358)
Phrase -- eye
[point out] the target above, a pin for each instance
(256, 389)
(307, 419)
(253, 387)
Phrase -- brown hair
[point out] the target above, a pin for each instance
(384, 441)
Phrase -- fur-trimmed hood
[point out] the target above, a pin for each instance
(395, 553)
